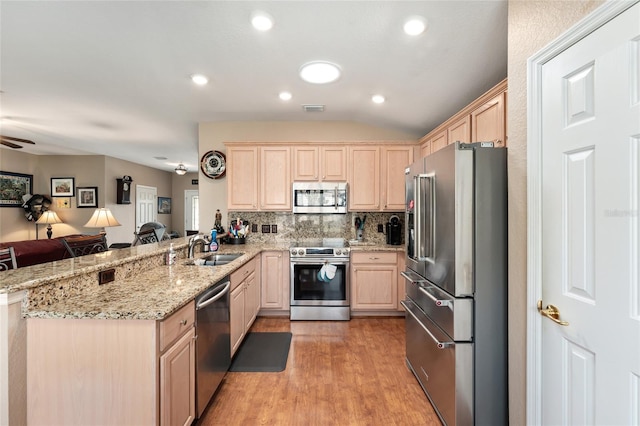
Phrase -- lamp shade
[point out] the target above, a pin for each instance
(49, 217)
(181, 169)
(102, 218)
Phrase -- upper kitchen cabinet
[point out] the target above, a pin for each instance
(242, 178)
(364, 178)
(376, 176)
(395, 160)
(275, 178)
(318, 163)
(483, 120)
(488, 121)
(258, 177)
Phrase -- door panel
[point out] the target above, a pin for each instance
(146, 210)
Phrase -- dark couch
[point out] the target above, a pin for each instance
(33, 252)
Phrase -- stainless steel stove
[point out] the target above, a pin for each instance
(320, 280)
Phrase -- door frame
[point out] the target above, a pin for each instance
(187, 212)
(581, 29)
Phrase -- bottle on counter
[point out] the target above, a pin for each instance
(171, 256)
(214, 240)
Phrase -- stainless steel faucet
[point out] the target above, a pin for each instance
(197, 239)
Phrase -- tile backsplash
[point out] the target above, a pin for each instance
(305, 227)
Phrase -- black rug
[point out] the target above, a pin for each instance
(264, 352)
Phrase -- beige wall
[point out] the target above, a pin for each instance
(532, 25)
(213, 193)
(87, 170)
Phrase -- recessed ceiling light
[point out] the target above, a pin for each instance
(285, 96)
(378, 99)
(160, 158)
(261, 21)
(319, 72)
(415, 25)
(199, 79)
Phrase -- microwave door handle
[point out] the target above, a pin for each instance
(335, 198)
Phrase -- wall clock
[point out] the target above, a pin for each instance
(213, 164)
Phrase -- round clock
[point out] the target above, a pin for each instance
(213, 164)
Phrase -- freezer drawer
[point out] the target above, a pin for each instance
(443, 368)
(453, 314)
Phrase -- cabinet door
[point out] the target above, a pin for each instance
(439, 141)
(364, 178)
(374, 287)
(251, 301)
(177, 382)
(333, 163)
(394, 161)
(236, 314)
(275, 280)
(460, 130)
(305, 163)
(425, 148)
(275, 182)
(488, 122)
(242, 175)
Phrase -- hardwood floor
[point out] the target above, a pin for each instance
(338, 373)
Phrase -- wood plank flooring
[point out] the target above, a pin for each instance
(338, 373)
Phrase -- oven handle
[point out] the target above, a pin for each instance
(318, 261)
(439, 344)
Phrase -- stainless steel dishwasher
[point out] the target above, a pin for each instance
(213, 343)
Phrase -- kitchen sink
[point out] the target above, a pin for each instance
(216, 259)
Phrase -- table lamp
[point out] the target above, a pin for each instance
(102, 218)
(49, 217)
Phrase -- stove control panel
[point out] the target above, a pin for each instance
(319, 252)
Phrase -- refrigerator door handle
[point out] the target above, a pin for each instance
(425, 216)
(439, 344)
(438, 302)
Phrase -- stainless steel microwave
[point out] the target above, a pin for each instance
(320, 197)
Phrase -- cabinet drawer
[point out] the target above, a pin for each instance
(174, 326)
(243, 272)
(374, 257)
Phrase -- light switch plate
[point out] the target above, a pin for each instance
(266, 229)
(274, 229)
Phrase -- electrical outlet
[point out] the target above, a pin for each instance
(274, 229)
(106, 276)
(254, 227)
(266, 229)
(380, 228)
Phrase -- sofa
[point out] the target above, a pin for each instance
(33, 252)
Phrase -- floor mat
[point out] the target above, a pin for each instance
(263, 352)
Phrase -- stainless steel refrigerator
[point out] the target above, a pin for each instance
(456, 281)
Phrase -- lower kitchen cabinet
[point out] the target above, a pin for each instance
(374, 281)
(275, 281)
(108, 371)
(245, 301)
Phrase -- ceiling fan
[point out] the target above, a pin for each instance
(10, 141)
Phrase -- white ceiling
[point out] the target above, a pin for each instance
(113, 77)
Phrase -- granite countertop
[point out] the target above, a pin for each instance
(153, 294)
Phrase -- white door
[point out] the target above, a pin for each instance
(590, 194)
(191, 211)
(146, 205)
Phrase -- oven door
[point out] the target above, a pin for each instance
(307, 289)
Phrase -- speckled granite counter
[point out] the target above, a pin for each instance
(144, 288)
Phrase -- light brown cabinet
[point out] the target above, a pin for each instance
(242, 178)
(374, 281)
(318, 163)
(488, 122)
(145, 369)
(438, 141)
(460, 130)
(244, 301)
(275, 281)
(275, 178)
(394, 161)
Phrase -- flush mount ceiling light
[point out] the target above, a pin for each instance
(378, 99)
(199, 79)
(319, 72)
(415, 25)
(181, 169)
(261, 21)
(285, 96)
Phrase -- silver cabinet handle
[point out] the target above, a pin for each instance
(439, 344)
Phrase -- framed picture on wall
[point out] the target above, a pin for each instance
(164, 205)
(63, 187)
(87, 197)
(13, 186)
